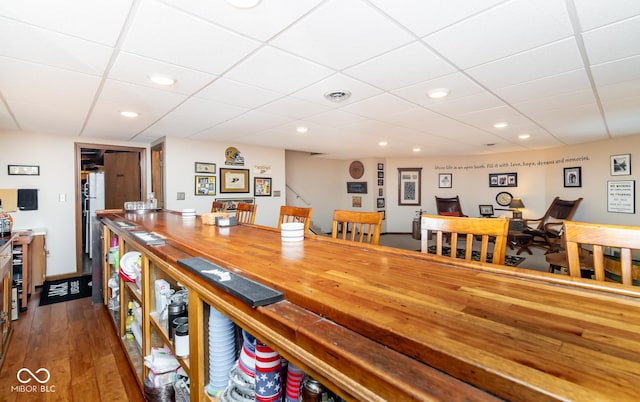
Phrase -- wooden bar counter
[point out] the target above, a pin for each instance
(388, 324)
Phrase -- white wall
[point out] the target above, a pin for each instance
(56, 157)
(181, 155)
(540, 179)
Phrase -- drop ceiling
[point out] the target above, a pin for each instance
(562, 71)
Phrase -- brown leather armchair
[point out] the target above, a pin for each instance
(449, 206)
(548, 230)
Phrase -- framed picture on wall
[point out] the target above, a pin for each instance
(503, 180)
(445, 180)
(234, 180)
(380, 203)
(205, 185)
(409, 191)
(621, 165)
(573, 177)
(262, 186)
(204, 167)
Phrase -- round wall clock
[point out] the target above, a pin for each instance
(504, 198)
(356, 169)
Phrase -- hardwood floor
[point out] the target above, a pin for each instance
(76, 342)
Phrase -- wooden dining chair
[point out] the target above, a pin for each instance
(363, 227)
(219, 206)
(621, 239)
(295, 214)
(482, 230)
(246, 213)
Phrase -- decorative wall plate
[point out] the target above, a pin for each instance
(356, 169)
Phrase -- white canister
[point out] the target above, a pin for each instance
(181, 341)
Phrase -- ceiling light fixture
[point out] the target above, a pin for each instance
(302, 129)
(383, 143)
(160, 79)
(416, 149)
(337, 96)
(243, 3)
(502, 124)
(129, 114)
(524, 136)
(438, 93)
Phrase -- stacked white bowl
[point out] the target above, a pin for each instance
(292, 231)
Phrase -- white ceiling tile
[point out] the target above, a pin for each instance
(53, 49)
(49, 117)
(616, 72)
(185, 40)
(458, 84)
(137, 70)
(609, 42)
(337, 82)
(251, 122)
(37, 84)
(572, 81)
(140, 98)
(275, 70)
(293, 108)
(194, 116)
(427, 16)
(379, 107)
(623, 92)
(342, 33)
(504, 30)
(401, 67)
(335, 118)
(623, 115)
(467, 104)
(6, 120)
(551, 59)
(261, 22)
(237, 93)
(570, 124)
(595, 13)
(563, 100)
(72, 17)
(485, 119)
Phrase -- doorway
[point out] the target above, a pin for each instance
(122, 169)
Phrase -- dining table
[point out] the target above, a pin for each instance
(376, 322)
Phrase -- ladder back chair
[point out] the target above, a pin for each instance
(548, 231)
(219, 206)
(295, 214)
(486, 230)
(363, 227)
(623, 239)
(246, 213)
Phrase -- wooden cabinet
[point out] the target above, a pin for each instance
(6, 269)
(150, 329)
(38, 250)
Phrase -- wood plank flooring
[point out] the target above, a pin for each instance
(76, 342)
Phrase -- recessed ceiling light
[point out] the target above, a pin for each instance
(243, 3)
(502, 124)
(438, 93)
(302, 129)
(160, 79)
(128, 113)
(383, 143)
(416, 149)
(524, 136)
(337, 96)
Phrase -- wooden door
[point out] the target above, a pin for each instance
(157, 173)
(121, 179)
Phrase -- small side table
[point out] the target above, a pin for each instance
(520, 239)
